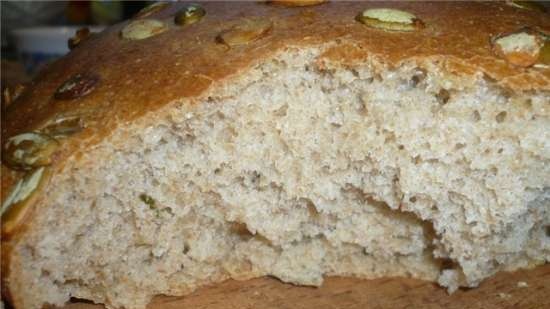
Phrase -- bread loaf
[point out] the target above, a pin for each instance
(196, 143)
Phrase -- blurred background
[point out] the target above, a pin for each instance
(36, 32)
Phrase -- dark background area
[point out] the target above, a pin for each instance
(25, 14)
(47, 20)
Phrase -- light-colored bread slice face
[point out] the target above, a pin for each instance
(299, 169)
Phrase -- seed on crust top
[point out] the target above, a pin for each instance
(80, 35)
(390, 19)
(63, 126)
(151, 9)
(521, 48)
(189, 15)
(527, 5)
(143, 28)
(28, 150)
(297, 3)
(20, 199)
(10, 94)
(77, 86)
(544, 56)
(248, 30)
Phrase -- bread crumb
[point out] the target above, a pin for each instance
(227, 168)
(522, 284)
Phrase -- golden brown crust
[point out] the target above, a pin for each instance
(297, 3)
(142, 76)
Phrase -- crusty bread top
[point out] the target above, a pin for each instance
(140, 76)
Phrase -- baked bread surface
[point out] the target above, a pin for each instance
(144, 81)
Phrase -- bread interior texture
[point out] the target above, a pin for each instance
(299, 169)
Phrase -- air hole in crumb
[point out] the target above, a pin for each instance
(412, 199)
(361, 108)
(390, 137)
(500, 150)
(185, 248)
(355, 73)
(313, 212)
(281, 111)
(417, 160)
(255, 177)
(505, 92)
(448, 264)
(548, 231)
(489, 79)
(528, 104)
(459, 146)
(241, 230)
(400, 147)
(148, 200)
(74, 300)
(443, 96)
(316, 156)
(476, 116)
(494, 170)
(415, 80)
(418, 77)
(500, 117)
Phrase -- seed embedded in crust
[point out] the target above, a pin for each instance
(143, 28)
(296, 3)
(151, 9)
(76, 87)
(390, 19)
(11, 94)
(527, 5)
(63, 126)
(189, 15)
(521, 48)
(544, 55)
(247, 31)
(19, 200)
(28, 150)
(80, 35)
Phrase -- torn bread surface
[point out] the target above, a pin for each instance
(299, 170)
